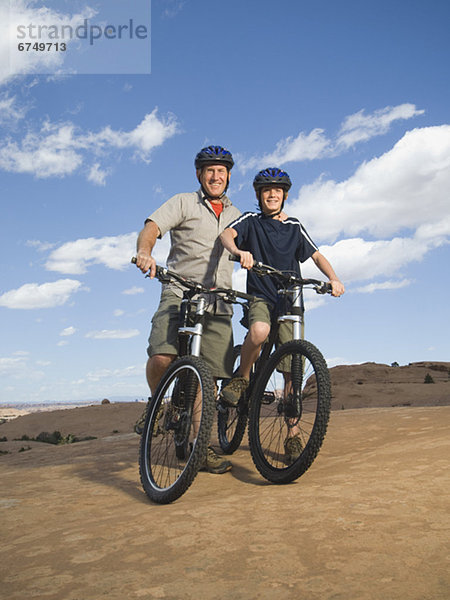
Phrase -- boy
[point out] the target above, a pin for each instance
(272, 238)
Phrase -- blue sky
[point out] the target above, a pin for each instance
(352, 98)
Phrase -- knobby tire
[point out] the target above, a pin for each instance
(294, 389)
(232, 421)
(177, 430)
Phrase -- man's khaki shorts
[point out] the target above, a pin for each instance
(217, 338)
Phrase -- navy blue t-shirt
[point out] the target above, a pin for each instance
(280, 244)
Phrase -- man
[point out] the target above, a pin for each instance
(195, 221)
(272, 238)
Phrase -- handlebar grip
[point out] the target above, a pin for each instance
(234, 258)
(133, 260)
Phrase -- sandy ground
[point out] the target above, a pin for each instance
(368, 521)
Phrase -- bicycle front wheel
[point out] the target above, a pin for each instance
(289, 411)
(177, 429)
(232, 421)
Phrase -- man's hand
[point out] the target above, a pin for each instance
(145, 262)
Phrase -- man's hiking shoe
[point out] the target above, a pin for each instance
(232, 392)
(215, 463)
(139, 425)
(293, 447)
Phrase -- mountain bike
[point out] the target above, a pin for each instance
(289, 390)
(179, 417)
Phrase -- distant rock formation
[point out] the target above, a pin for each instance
(372, 385)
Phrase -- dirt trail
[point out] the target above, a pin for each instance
(368, 521)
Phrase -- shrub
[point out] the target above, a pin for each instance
(50, 438)
(428, 379)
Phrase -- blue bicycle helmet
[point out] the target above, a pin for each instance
(272, 176)
(214, 155)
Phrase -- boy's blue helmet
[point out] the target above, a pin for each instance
(214, 155)
(272, 176)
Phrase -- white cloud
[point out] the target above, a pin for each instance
(358, 127)
(113, 334)
(172, 8)
(112, 374)
(133, 291)
(385, 285)
(12, 365)
(403, 193)
(68, 331)
(46, 295)
(75, 257)
(406, 187)
(40, 246)
(60, 149)
(356, 259)
(303, 147)
(49, 153)
(10, 111)
(97, 174)
(22, 13)
(114, 252)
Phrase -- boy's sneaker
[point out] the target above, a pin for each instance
(232, 392)
(293, 447)
(215, 463)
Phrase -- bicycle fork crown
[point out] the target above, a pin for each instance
(197, 330)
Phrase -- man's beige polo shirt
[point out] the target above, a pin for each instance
(196, 251)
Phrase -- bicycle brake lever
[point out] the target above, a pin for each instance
(325, 288)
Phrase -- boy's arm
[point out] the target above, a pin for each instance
(322, 263)
(227, 238)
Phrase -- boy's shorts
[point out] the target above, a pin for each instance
(217, 338)
(259, 310)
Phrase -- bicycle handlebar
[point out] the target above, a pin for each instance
(286, 277)
(164, 275)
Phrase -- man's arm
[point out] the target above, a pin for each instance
(322, 263)
(227, 238)
(145, 243)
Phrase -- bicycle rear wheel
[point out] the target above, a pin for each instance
(232, 421)
(291, 399)
(177, 430)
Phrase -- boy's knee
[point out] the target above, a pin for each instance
(259, 332)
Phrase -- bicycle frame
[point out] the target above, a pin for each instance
(295, 316)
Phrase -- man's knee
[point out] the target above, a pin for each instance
(156, 367)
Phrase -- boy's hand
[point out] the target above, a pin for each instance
(337, 287)
(247, 260)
